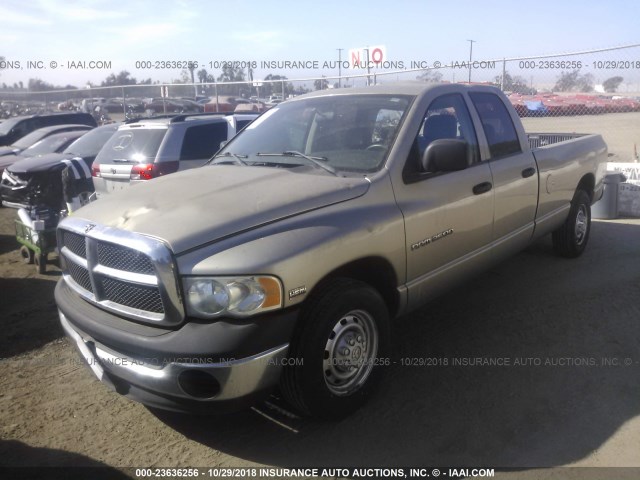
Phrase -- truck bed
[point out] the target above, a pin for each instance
(538, 140)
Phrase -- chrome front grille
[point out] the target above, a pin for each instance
(123, 258)
(75, 243)
(134, 296)
(121, 271)
(80, 275)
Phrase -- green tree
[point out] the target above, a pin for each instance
(268, 89)
(321, 84)
(572, 81)
(37, 85)
(230, 74)
(515, 84)
(430, 76)
(123, 78)
(611, 85)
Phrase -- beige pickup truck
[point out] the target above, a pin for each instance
(284, 261)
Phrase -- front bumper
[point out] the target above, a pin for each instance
(182, 386)
(199, 368)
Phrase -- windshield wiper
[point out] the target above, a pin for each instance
(314, 160)
(236, 157)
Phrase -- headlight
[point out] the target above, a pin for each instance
(210, 297)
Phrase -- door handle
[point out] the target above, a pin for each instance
(528, 172)
(481, 188)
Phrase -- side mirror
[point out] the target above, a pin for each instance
(445, 155)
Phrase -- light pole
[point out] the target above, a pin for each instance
(339, 67)
(471, 42)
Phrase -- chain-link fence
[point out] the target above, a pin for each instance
(596, 91)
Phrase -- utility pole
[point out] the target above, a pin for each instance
(339, 67)
(368, 68)
(471, 42)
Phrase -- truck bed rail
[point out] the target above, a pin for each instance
(537, 140)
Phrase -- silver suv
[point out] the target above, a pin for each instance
(148, 148)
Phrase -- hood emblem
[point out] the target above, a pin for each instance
(89, 227)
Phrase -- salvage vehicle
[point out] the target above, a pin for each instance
(34, 181)
(284, 261)
(17, 127)
(37, 135)
(147, 148)
(51, 144)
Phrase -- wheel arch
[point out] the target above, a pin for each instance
(588, 184)
(374, 271)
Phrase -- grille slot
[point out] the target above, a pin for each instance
(133, 296)
(75, 243)
(123, 258)
(80, 275)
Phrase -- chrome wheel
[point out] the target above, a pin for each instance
(582, 224)
(350, 352)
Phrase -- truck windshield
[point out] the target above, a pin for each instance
(349, 133)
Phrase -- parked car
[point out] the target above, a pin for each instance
(115, 105)
(37, 135)
(285, 261)
(17, 127)
(52, 144)
(148, 148)
(172, 105)
(223, 103)
(35, 180)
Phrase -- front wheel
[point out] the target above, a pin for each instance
(571, 238)
(338, 350)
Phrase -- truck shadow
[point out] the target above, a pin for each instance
(526, 365)
(29, 314)
(8, 243)
(21, 461)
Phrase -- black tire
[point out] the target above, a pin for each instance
(26, 254)
(338, 351)
(41, 262)
(571, 239)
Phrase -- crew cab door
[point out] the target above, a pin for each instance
(514, 172)
(448, 215)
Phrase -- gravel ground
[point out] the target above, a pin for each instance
(567, 392)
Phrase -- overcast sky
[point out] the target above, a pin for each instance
(125, 32)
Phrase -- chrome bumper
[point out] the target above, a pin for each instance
(237, 378)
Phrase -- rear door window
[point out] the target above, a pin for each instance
(202, 141)
(496, 122)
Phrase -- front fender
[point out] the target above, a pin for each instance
(302, 250)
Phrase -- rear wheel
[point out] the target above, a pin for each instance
(570, 240)
(338, 351)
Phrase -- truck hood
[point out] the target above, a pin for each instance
(202, 205)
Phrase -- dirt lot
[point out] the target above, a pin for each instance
(579, 406)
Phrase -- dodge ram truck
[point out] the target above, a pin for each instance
(284, 261)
